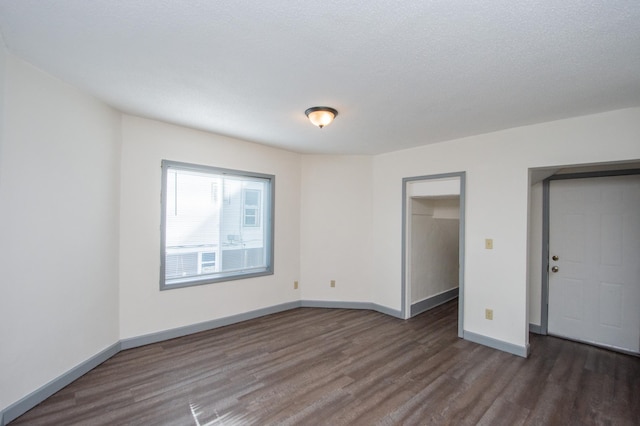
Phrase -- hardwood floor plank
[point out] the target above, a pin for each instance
(503, 411)
(554, 406)
(313, 366)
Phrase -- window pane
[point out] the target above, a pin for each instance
(251, 197)
(208, 257)
(252, 206)
(211, 214)
(181, 265)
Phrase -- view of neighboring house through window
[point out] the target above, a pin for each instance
(217, 224)
(251, 207)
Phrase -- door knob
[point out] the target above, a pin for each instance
(555, 257)
(555, 269)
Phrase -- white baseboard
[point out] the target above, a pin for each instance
(522, 351)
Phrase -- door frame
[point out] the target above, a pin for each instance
(461, 243)
(546, 208)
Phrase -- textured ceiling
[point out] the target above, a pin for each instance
(400, 73)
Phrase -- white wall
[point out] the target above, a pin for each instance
(434, 247)
(3, 66)
(437, 187)
(447, 209)
(143, 308)
(59, 199)
(497, 197)
(336, 229)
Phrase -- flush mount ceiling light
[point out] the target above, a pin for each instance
(321, 116)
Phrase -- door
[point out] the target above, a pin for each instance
(594, 264)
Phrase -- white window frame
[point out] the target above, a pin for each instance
(268, 199)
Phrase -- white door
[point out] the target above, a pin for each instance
(594, 264)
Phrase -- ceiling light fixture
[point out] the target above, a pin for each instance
(321, 116)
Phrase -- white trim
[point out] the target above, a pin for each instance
(160, 336)
(500, 345)
(25, 404)
(333, 304)
(433, 301)
(535, 328)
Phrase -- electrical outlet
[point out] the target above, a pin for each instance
(488, 314)
(488, 243)
(295, 285)
(333, 283)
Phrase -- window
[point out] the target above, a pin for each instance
(207, 262)
(251, 207)
(217, 225)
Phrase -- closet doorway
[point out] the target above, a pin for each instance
(433, 243)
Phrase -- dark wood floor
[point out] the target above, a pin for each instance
(332, 366)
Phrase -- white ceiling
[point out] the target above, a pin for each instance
(400, 73)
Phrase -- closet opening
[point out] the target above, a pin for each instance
(433, 243)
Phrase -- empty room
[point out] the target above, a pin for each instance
(235, 212)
